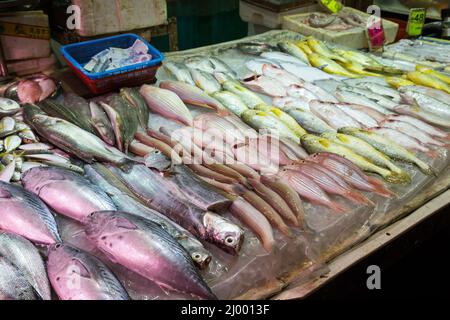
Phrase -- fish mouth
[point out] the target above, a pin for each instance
(201, 260)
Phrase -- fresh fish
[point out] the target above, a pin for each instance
(140, 149)
(288, 120)
(179, 71)
(350, 172)
(231, 101)
(125, 201)
(281, 58)
(167, 104)
(7, 172)
(275, 201)
(35, 146)
(145, 248)
(402, 139)
(261, 120)
(332, 115)
(26, 258)
(101, 124)
(359, 57)
(301, 102)
(26, 215)
(433, 93)
(309, 121)
(53, 184)
(197, 191)
(380, 89)
(316, 144)
(27, 165)
(306, 73)
(329, 66)
(308, 189)
(8, 107)
(255, 48)
(14, 285)
(265, 85)
(75, 140)
(133, 97)
(199, 62)
(164, 147)
(265, 208)
(194, 96)
(11, 143)
(320, 48)
(426, 103)
(300, 93)
(377, 98)
(205, 81)
(360, 114)
(282, 76)
(421, 114)
(363, 149)
(157, 160)
(412, 131)
(433, 131)
(256, 221)
(290, 48)
(219, 127)
(428, 81)
(94, 281)
(354, 98)
(388, 147)
(250, 98)
(319, 92)
(7, 124)
(221, 66)
(158, 194)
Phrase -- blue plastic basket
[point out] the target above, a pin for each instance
(78, 54)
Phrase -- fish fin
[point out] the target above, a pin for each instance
(357, 197)
(5, 194)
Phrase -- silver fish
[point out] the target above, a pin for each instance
(179, 72)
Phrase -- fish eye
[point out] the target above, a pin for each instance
(157, 151)
(197, 256)
(59, 245)
(229, 240)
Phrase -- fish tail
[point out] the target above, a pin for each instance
(358, 197)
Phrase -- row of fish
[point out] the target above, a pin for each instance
(343, 20)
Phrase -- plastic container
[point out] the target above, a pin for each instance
(78, 54)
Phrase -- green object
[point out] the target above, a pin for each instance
(333, 6)
(416, 20)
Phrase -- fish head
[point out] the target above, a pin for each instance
(104, 224)
(157, 160)
(223, 232)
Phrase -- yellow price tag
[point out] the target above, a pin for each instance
(332, 5)
(24, 31)
(416, 20)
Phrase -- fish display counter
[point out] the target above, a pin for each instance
(247, 171)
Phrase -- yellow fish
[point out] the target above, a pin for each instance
(428, 80)
(289, 121)
(398, 82)
(320, 48)
(330, 66)
(434, 73)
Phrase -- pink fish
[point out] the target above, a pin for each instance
(265, 85)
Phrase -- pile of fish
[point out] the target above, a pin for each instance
(237, 154)
(343, 20)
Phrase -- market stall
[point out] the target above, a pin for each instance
(252, 169)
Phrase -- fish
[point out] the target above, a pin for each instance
(194, 96)
(75, 140)
(7, 172)
(428, 81)
(265, 208)
(355, 98)
(359, 69)
(309, 121)
(199, 193)
(8, 107)
(364, 149)
(122, 197)
(179, 72)
(26, 258)
(433, 93)
(145, 248)
(350, 55)
(377, 98)
(94, 281)
(361, 114)
(275, 201)
(265, 85)
(289, 102)
(255, 220)
(256, 65)
(167, 104)
(332, 115)
(134, 99)
(26, 215)
(351, 173)
(431, 130)
(430, 71)
(308, 189)
(389, 148)
(412, 131)
(426, 103)
(280, 57)
(320, 48)
(261, 120)
(81, 197)
(403, 140)
(220, 66)
(7, 124)
(12, 142)
(165, 148)
(328, 184)
(248, 97)
(288, 120)
(205, 81)
(219, 127)
(290, 48)
(59, 110)
(423, 115)
(380, 89)
(282, 76)
(230, 101)
(157, 160)
(329, 66)
(255, 48)
(101, 124)
(398, 82)
(319, 92)
(317, 144)
(158, 193)
(14, 285)
(140, 149)
(199, 62)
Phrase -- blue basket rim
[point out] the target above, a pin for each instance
(97, 75)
